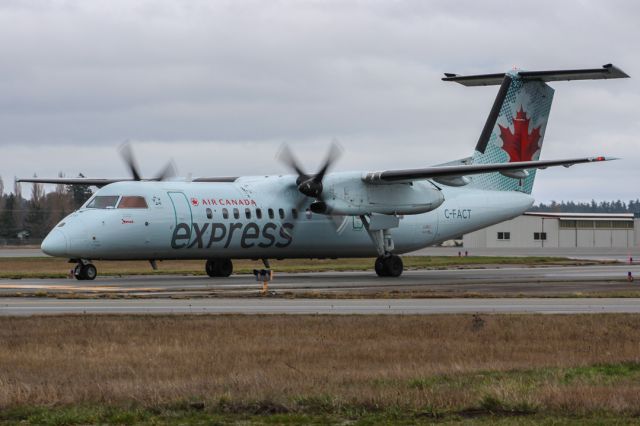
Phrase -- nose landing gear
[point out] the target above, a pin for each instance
(85, 270)
(218, 267)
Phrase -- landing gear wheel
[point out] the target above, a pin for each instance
(390, 266)
(226, 267)
(211, 267)
(85, 272)
(379, 267)
(393, 266)
(219, 267)
(76, 271)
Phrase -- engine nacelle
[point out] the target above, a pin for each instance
(363, 198)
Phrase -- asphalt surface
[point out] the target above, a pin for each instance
(240, 293)
(505, 281)
(48, 306)
(619, 254)
(21, 252)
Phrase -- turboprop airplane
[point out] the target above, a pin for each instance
(323, 215)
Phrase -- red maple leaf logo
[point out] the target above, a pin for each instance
(520, 145)
(194, 201)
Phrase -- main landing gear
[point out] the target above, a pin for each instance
(219, 267)
(379, 229)
(389, 266)
(85, 270)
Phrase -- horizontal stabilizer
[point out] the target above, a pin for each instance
(607, 71)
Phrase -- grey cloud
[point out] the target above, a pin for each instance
(236, 78)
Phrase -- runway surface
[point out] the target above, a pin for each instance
(601, 253)
(369, 294)
(47, 306)
(505, 281)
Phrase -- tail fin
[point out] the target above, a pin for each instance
(517, 122)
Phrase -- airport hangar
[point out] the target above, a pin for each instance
(559, 230)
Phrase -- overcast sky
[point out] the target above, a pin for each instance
(219, 85)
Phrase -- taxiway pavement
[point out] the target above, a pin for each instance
(503, 281)
(600, 253)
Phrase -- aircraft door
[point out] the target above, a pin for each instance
(182, 210)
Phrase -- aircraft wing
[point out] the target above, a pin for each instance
(102, 182)
(389, 176)
(74, 181)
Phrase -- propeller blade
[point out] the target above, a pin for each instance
(286, 156)
(127, 155)
(311, 186)
(168, 172)
(335, 151)
(339, 222)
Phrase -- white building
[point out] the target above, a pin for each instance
(561, 230)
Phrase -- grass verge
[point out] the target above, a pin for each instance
(514, 369)
(48, 267)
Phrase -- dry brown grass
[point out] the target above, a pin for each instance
(447, 363)
(48, 267)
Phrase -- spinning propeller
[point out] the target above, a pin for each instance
(311, 185)
(126, 152)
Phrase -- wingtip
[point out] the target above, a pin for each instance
(603, 158)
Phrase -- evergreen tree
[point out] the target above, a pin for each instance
(19, 207)
(8, 227)
(79, 193)
(36, 220)
(617, 206)
(1, 194)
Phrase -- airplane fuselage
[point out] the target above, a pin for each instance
(255, 217)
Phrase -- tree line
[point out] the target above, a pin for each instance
(33, 218)
(618, 206)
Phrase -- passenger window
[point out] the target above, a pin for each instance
(236, 213)
(132, 202)
(259, 213)
(294, 213)
(247, 213)
(209, 213)
(270, 213)
(225, 214)
(103, 202)
(281, 213)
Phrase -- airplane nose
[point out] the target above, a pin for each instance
(55, 244)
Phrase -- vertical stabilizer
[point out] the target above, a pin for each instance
(514, 131)
(516, 125)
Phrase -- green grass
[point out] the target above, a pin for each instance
(528, 379)
(325, 409)
(489, 414)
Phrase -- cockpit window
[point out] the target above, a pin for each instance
(132, 202)
(103, 202)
